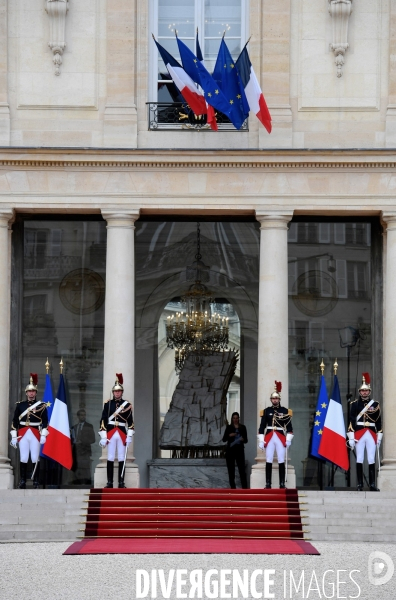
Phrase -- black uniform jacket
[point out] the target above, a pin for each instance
(37, 418)
(370, 420)
(230, 440)
(124, 419)
(276, 417)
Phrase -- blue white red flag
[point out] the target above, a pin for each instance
(333, 443)
(58, 444)
(320, 414)
(182, 80)
(254, 95)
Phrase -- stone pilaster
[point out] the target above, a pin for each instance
(120, 115)
(273, 324)
(275, 72)
(4, 106)
(387, 475)
(6, 472)
(119, 343)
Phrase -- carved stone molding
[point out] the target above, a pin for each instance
(56, 10)
(340, 11)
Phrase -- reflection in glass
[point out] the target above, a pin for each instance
(329, 290)
(63, 316)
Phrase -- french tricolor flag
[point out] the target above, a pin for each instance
(186, 86)
(333, 443)
(254, 95)
(58, 444)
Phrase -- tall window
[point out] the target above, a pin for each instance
(212, 17)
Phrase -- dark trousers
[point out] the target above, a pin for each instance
(236, 456)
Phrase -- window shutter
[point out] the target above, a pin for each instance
(341, 277)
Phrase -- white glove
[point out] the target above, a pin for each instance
(351, 439)
(289, 437)
(14, 441)
(261, 445)
(379, 438)
(128, 440)
(103, 442)
(43, 437)
(261, 441)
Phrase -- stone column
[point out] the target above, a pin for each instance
(272, 325)
(387, 475)
(6, 472)
(119, 341)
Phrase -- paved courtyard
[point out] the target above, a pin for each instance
(40, 570)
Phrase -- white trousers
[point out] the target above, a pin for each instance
(29, 444)
(275, 444)
(366, 441)
(114, 444)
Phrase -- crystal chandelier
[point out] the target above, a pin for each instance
(197, 330)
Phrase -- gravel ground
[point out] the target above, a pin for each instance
(30, 570)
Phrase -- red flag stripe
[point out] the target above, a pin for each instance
(58, 448)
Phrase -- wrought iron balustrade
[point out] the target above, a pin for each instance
(175, 116)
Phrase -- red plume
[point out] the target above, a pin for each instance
(278, 385)
(34, 378)
(367, 378)
(120, 378)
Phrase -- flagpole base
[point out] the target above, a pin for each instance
(6, 474)
(257, 477)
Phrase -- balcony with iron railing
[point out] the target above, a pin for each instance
(176, 116)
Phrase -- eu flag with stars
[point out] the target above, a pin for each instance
(319, 419)
(226, 76)
(196, 70)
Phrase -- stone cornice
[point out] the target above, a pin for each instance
(16, 158)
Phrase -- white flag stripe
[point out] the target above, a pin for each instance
(59, 418)
(335, 418)
(182, 80)
(253, 92)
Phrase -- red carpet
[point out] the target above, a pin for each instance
(193, 520)
(189, 546)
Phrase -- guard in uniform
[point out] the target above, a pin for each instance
(365, 431)
(29, 430)
(277, 426)
(116, 430)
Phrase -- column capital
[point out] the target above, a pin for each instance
(274, 219)
(7, 215)
(388, 218)
(121, 218)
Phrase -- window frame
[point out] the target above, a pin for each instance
(199, 22)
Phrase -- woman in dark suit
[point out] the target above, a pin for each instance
(236, 436)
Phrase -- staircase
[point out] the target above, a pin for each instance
(38, 515)
(350, 516)
(194, 513)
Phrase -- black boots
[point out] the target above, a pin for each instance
(372, 486)
(121, 483)
(110, 474)
(23, 470)
(359, 476)
(268, 475)
(36, 483)
(282, 471)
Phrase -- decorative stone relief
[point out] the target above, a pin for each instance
(340, 11)
(56, 10)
